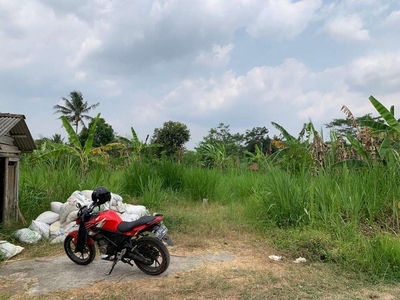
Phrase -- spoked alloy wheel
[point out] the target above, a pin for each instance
(81, 258)
(157, 253)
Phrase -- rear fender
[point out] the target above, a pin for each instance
(74, 235)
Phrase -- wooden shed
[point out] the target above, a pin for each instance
(15, 139)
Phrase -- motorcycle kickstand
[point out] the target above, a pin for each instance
(116, 259)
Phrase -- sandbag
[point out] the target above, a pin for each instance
(87, 194)
(66, 208)
(8, 250)
(42, 228)
(134, 217)
(72, 216)
(58, 239)
(116, 197)
(68, 227)
(136, 209)
(27, 236)
(77, 196)
(55, 207)
(55, 230)
(48, 217)
(127, 217)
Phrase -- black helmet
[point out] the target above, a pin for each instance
(101, 195)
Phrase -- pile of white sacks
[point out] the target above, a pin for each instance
(55, 224)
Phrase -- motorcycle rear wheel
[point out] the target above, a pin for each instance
(81, 258)
(153, 249)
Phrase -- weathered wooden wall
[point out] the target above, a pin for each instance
(9, 162)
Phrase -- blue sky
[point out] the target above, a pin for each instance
(245, 63)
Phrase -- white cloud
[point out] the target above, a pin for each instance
(111, 87)
(348, 27)
(217, 57)
(284, 19)
(393, 19)
(88, 46)
(201, 62)
(376, 70)
(257, 90)
(289, 93)
(80, 75)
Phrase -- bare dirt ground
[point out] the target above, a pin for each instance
(213, 269)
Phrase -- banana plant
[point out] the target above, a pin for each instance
(85, 153)
(134, 145)
(294, 153)
(391, 129)
(214, 154)
(389, 133)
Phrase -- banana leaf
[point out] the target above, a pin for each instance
(73, 137)
(386, 114)
(285, 134)
(359, 147)
(89, 141)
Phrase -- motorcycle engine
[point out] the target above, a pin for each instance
(103, 246)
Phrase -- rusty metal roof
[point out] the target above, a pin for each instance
(16, 127)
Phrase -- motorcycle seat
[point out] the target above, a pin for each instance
(128, 226)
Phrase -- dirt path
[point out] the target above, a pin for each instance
(217, 269)
(59, 273)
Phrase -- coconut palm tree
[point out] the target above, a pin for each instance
(75, 109)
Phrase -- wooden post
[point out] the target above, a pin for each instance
(2, 188)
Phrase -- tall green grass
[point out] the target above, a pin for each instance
(41, 184)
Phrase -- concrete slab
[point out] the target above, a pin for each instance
(44, 275)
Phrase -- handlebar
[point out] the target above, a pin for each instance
(84, 210)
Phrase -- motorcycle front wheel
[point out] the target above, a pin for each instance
(81, 258)
(157, 254)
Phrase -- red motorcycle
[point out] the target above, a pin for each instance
(140, 241)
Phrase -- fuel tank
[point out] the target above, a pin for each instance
(108, 220)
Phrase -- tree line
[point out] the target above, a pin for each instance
(168, 140)
(353, 140)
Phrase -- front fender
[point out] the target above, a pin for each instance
(74, 235)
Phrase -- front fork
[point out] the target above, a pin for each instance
(74, 235)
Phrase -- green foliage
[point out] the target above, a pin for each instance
(191, 158)
(85, 154)
(152, 194)
(238, 185)
(103, 135)
(312, 244)
(345, 127)
(199, 183)
(221, 135)
(257, 139)
(284, 200)
(295, 156)
(170, 138)
(171, 174)
(340, 213)
(137, 178)
(214, 155)
(134, 148)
